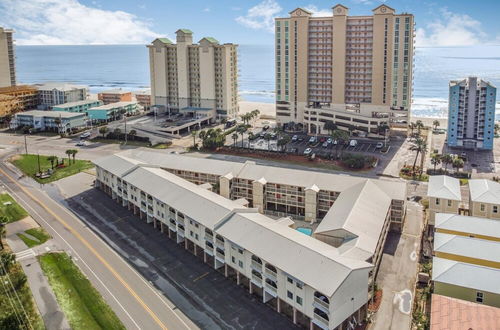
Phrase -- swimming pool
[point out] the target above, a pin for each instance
(304, 230)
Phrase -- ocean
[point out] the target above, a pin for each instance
(126, 66)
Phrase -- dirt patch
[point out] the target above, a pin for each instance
(374, 305)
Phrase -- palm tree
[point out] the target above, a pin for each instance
(382, 127)
(117, 133)
(341, 137)
(68, 152)
(267, 137)
(419, 125)
(412, 127)
(73, 153)
(458, 163)
(446, 159)
(133, 134)
(52, 160)
(103, 130)
(497, 129)
(330, 126)
(235, 138)
(420, 146)
(435, 160)
(2, 234)
(436, 124)
(193, 134)
(241, 130)
(282, 142)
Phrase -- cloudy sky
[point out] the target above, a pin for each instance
(56, 22)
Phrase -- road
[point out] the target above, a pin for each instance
(137, 303)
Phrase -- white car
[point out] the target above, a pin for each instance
(81, 144)
(85, 135)
(307, 151)
(329, 141)
(379, 145)
(312, 139)
(353, 143)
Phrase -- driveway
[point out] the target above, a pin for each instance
(204, 295)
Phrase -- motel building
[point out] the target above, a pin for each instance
(323, 281)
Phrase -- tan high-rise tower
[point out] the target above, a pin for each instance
(199, 79)
(7, 66)
(355, 71)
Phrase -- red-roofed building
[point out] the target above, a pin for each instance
(455, 314)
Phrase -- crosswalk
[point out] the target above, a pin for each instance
(28, 253)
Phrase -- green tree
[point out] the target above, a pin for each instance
(132, 134)
(419, 125)
(68, 153)
(52, 160)
(194, 133)
(2, 234)
(7, 260)
(446, 159)
(330, 126)
(435, 160)
(103, 130)
(117, 133)
(283, 141)
(436, 124)
(341, 137)
(458, 163)
(235, 138)
(420, 146)
(382, 127)
(73, 153)
(241, 129)
(267, 137)
(497, 129)
(412, 127)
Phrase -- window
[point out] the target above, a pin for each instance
(289, 280)
(299, 300)
(299, 285)
(289, 295)
(482, 207)
(240, 263)
(233, 260)
(437, 201)
(479, 297)
(495, 209)
(240, 251)
(449, 203)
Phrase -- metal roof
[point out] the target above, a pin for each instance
(443, 186)
(49, 86)
(467, 224)
(51, 114)
(484, 191)
(111, 106)
(76, 103)
(467, 247)
(466, 275)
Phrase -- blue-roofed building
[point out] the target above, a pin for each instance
(77, 106)
(471, 114)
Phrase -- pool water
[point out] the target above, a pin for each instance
(303, 230)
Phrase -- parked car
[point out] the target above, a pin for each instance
(265, 128)
(295, 138)
(330, 140)
(323, 139)
(312, 140)
(85, 135)
(273, 136)
(307, 151)
(463, 155)
(300, 139)
(325, 144)
(335, 142)
(230, 123)
(379, 145)
(353, 143)
(81, 144)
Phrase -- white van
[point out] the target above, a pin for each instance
(353, 143)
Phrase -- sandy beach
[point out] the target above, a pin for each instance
(267, 111)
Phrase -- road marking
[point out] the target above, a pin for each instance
(201, 276)
(87, 244)
(25, 254)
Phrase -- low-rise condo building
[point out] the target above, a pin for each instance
(471, 114)
(57, 121)
(227, 212)
(354, 71)
(444, 196)
(484, 198)
(143, 98)
(51, 94)
(78, 106)
(466, 262)
(7, 58)
(112, 111)
(115, 95)
(199, 80)
(27, 95)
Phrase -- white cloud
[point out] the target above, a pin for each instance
(451, 29)
(64, 22)
(319, 12)
(206, 9)
(261, 16)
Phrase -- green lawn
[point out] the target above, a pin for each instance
(13, 211)
(82, 304)
(29, 165)
(39, 233)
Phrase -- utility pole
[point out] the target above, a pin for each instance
(125, 116)
(25, 145)
(38, 160)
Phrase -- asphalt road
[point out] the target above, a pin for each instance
(137, 303)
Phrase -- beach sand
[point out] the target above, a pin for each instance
(268, 111)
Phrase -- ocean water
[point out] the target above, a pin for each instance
(127, 66)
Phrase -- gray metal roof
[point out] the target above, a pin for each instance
(466, 275)
(466, 224)
(443, 186)
(317, 264)
(76, 103)
(51, 114)
(484, 191)
(467, 247)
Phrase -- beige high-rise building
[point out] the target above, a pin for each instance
(7, 66)
(200, 80)
(355, 71)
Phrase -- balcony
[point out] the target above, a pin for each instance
(271, 287)
(321, 320)
(209, 236)
(219, 241)
(220, 254)
(256, 265)
(270, 273)
(319, 302)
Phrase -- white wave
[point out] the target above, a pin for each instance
(262, 93)
(435, 107)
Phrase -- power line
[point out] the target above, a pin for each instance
(6, 290)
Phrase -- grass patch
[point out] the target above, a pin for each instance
(29, 165)
(464, 181)
(9, 307)
(11, 212)
(82, 304)
(115, 141)
(161, 145)
(39, 234)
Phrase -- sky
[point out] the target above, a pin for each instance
(70, 22)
